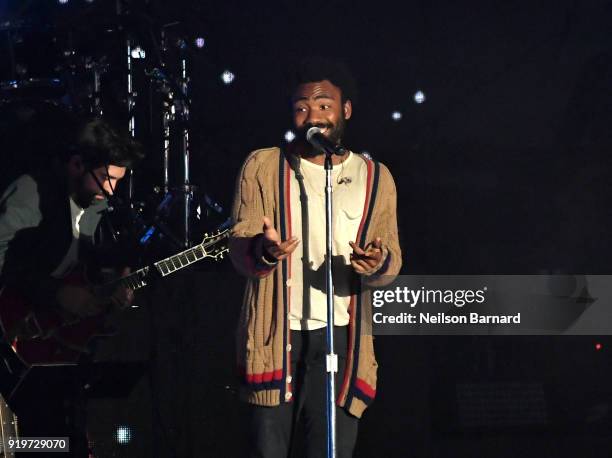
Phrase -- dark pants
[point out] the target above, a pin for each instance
(272, 428)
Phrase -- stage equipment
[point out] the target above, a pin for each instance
(319, 141)
(116, 59)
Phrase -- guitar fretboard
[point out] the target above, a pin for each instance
(135, 280)
(178, 261)
(208, 248)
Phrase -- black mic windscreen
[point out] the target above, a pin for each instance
(312, 131)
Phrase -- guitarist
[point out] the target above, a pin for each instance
(49, 218)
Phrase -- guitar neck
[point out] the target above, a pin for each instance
(135, 280)
(138, 279)
(178, 261)
(165, 267)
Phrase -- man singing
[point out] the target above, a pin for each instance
(278, 242)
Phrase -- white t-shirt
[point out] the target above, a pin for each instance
(72, 256)
(348, 198)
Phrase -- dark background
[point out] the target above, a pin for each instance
(504, 169)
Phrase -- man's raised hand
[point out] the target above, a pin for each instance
(272, 246)
(365, 260)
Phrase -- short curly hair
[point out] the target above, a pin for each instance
(316, 68)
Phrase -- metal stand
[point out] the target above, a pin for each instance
(176, 119)
(332, 358)
(131, 103)
(184, 133)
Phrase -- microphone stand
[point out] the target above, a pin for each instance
(331, 357)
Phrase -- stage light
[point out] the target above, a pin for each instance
(289, 136)
(138, 53)
(227, 77)
(598, 346)
(200, 42)
(396, 116)
(62, 2)
(419, 97)
(123, 435)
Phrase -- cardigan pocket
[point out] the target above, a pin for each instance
(260, 371)
(259, 355)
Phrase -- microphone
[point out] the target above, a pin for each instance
(321, 142)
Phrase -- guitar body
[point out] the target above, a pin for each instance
(41, 335)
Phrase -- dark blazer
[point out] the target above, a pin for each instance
(36, 232)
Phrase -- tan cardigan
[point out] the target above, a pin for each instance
(263, 337)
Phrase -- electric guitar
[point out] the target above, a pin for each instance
(43, 335)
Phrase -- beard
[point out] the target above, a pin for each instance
(82, 195)
(334, 134)
(84, 199)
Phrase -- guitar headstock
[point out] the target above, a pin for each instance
(215, 245)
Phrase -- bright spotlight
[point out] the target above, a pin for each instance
(200, 42)
(419, 97)
(289, 136)
(138, 53)
(227, 77)
(396, 115)
(123, 435)
(62, 2)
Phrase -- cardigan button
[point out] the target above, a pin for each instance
(288, 347)
(288, 395)
(289, 378)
